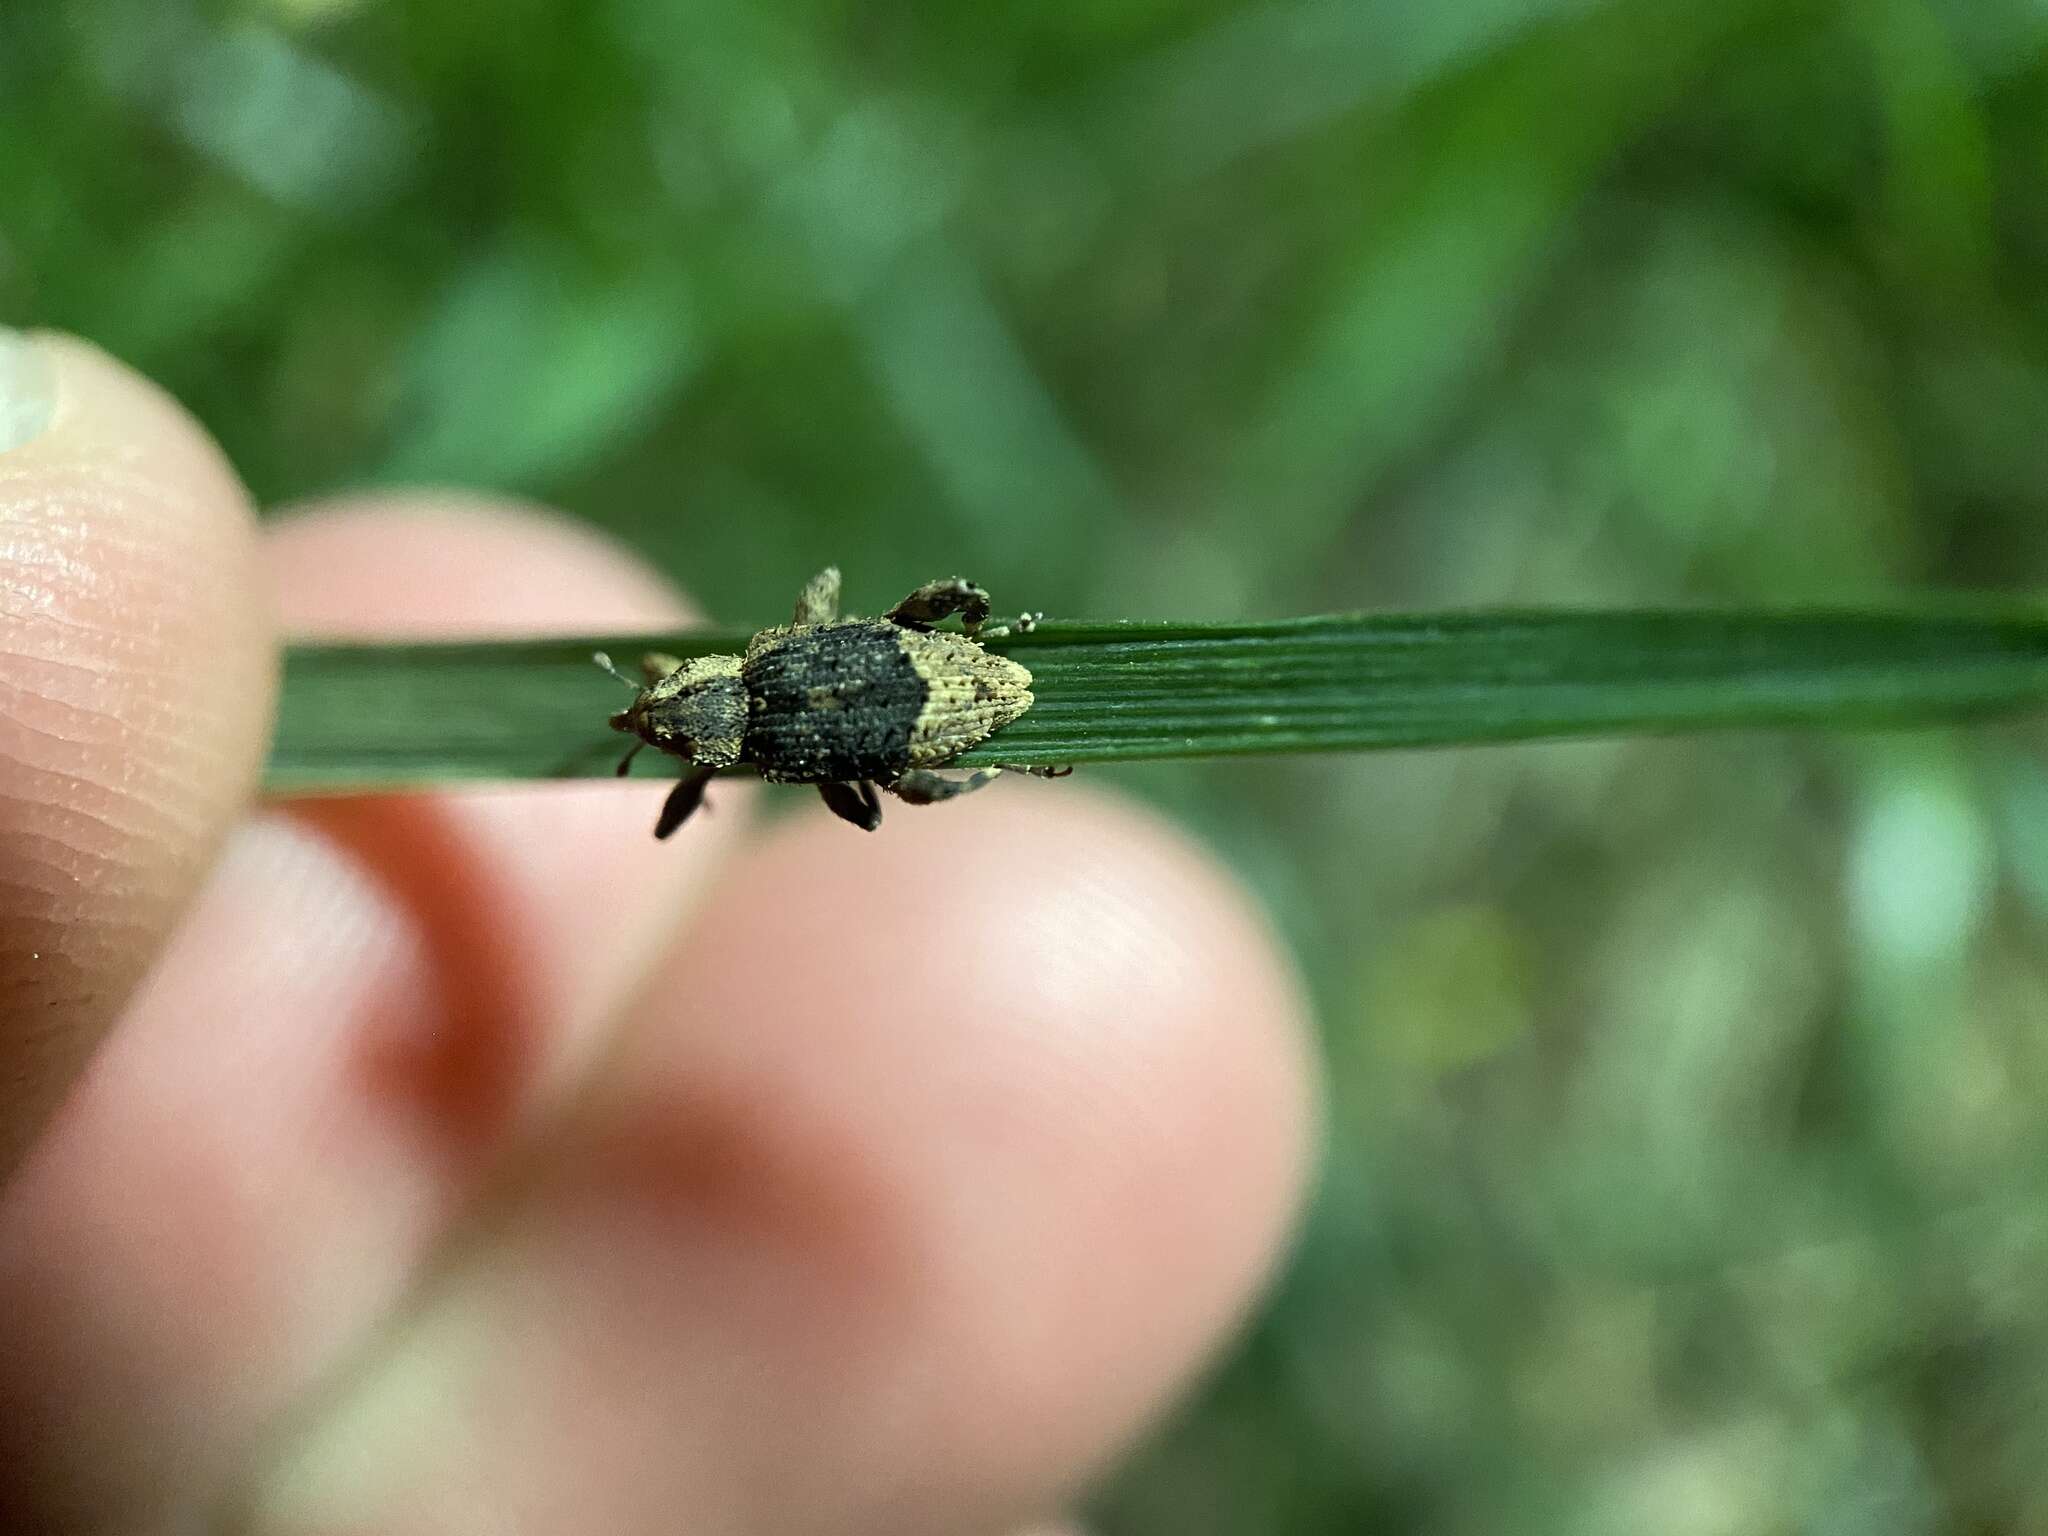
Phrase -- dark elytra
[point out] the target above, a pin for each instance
(832, 703)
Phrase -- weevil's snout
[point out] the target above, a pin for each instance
(628, 720)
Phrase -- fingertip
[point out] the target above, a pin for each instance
(137, 676)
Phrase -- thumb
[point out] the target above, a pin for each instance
(137, 673)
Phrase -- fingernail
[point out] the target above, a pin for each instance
(28, 389)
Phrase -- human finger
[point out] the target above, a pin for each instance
(374, 1002)
(928, 1168)
(136, 684)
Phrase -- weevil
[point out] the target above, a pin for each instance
(850, 705)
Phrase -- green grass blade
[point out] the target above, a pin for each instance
(358, 717)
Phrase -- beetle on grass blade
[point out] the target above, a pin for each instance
(850, 705)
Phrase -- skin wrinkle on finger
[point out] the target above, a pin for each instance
(67, 707)
(131, 716)
(857, 1234)
(49, 569)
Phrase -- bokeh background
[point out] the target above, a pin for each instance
(1688, 1170)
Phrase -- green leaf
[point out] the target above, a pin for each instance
(369, 716)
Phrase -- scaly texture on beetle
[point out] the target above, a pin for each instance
(846, 704)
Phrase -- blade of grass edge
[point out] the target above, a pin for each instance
(371, 716)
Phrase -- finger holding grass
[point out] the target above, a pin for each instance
(470, 1159)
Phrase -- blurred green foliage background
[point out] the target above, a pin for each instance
(1688, 1170)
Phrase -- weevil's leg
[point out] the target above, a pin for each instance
(683, 800)
(856, 803)
(818, 603)
(935, 599)
(1038, 770)
(920, 786)
(658, 664)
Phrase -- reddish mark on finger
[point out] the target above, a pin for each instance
(455, 1048)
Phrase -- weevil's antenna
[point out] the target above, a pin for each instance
(626, 762)
(605, 662)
